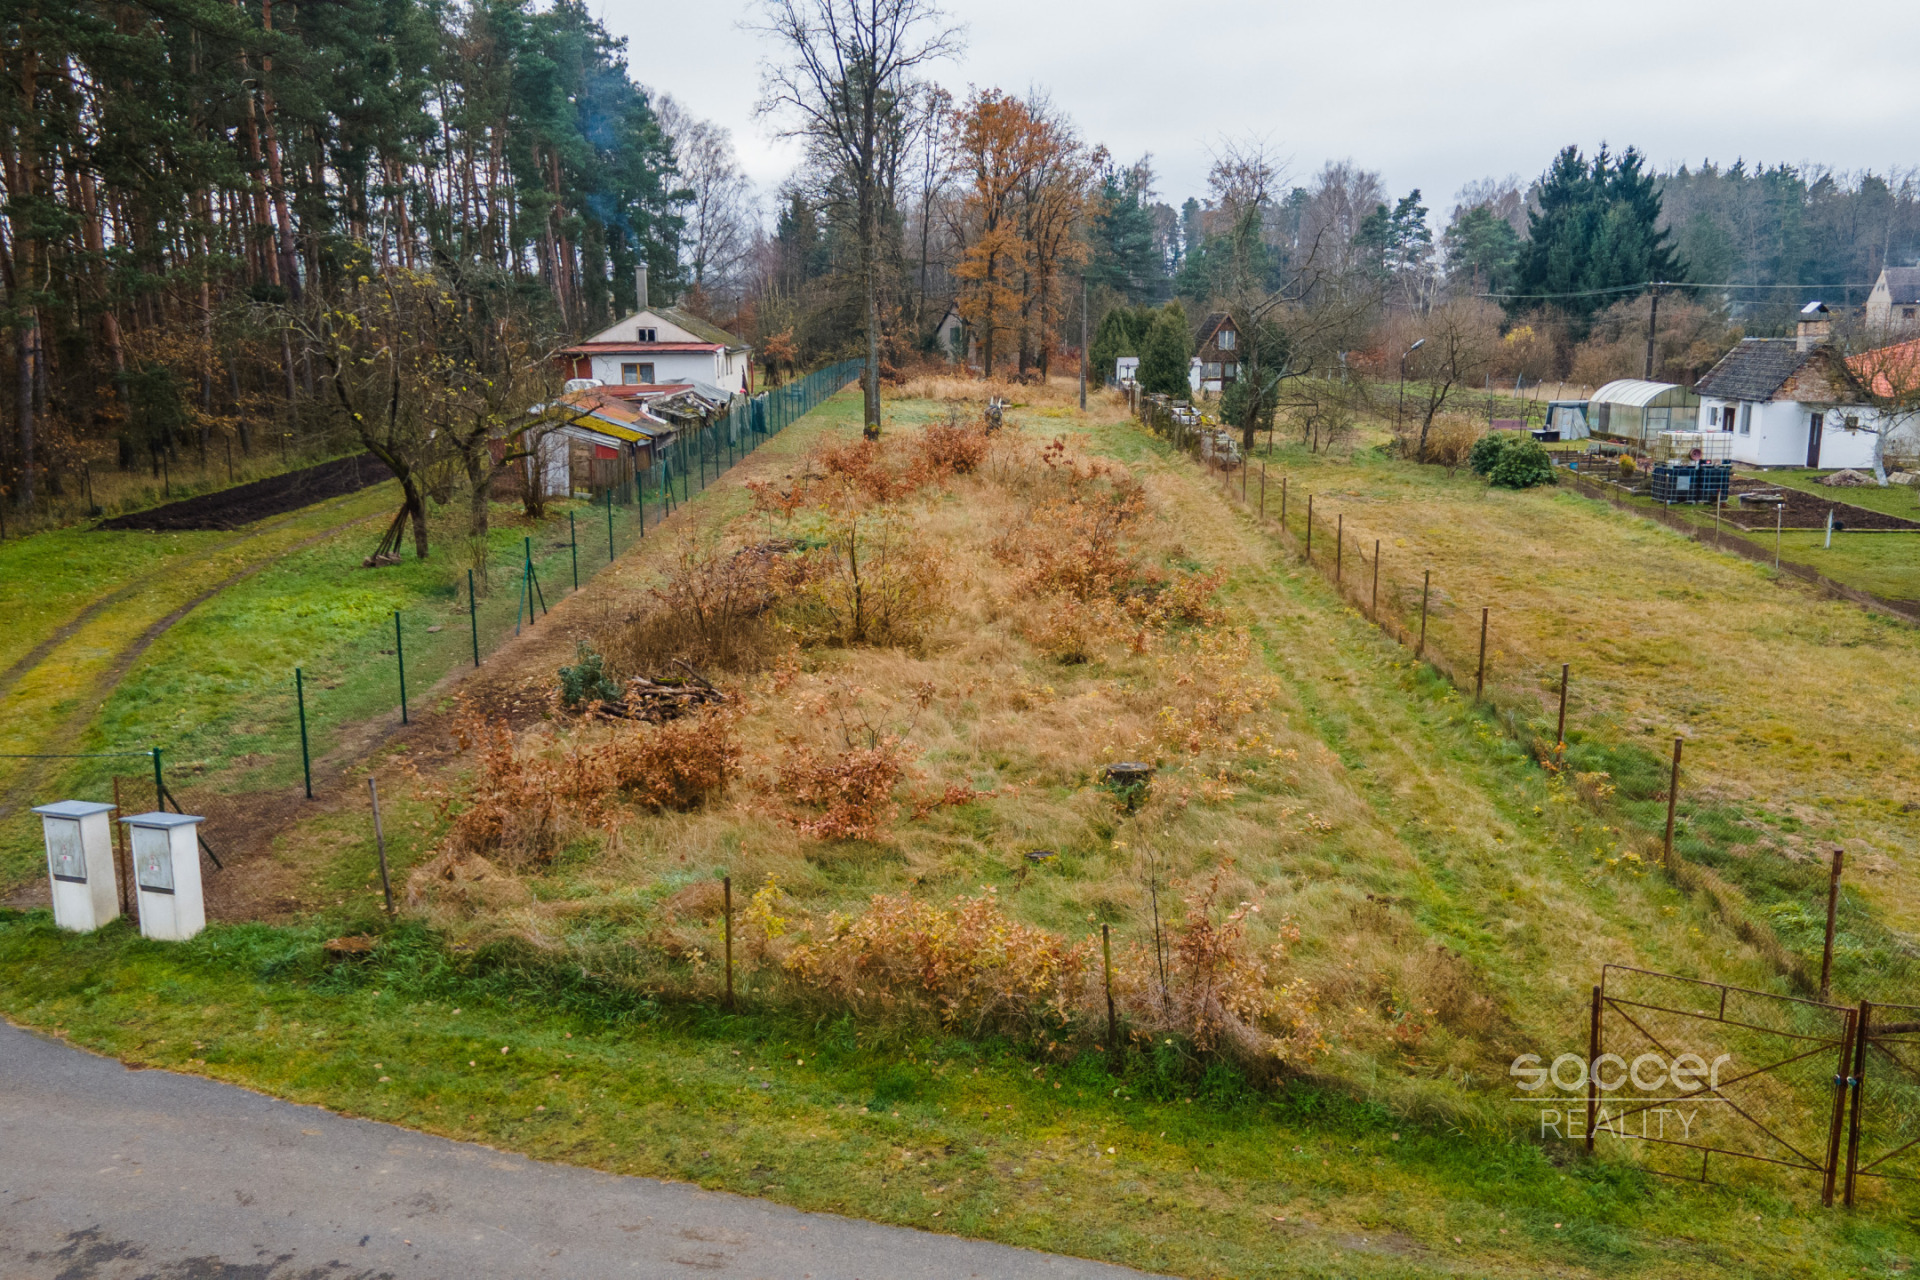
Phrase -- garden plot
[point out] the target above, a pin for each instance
(1757, 504)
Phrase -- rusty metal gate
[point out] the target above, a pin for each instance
(1689, 1067)
(1883, 1133)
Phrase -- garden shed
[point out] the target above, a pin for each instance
(1630, 409)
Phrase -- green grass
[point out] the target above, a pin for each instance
(924, 1130)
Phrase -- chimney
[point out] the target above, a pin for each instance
(640, 287)
(1816, 326)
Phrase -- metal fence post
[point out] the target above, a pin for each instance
(1339, 546)
(1426, 586)
(1593, 1057)
(380, 842)
(1833, 903)
(1862, 1034)
(1375, 607)
(1283, 502)
(473, 618)
(1673, 797)
(726, 897)
(300, 701)
(159, 784)
(573, 544)
(609, 524)
(1113, 1021)
(1309, 528)
(1263, 490)
(1561, 732)
(1480, 672)
(401, 654)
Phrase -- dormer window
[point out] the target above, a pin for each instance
(1225, 339)
(646, 335)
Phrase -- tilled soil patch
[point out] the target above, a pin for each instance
(1803, 510)
(258, 499)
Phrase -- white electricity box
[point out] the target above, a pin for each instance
(80, 862)
(166, 872)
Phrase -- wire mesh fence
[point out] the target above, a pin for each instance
(245, 774)
(1779, 887)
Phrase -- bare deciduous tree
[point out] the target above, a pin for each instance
(845, 85)
(720, 215)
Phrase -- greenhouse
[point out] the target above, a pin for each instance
(1630, 409)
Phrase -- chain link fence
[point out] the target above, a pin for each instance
(248, 774)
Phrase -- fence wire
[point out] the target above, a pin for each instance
(1763, 871)
(246, 775)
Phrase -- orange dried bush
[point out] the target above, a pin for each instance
(677, 765)
(851, 790)
(876, 580)
(950, 448)
(1074, 544)
(866, 470)
(970, 964)
(1218, 992)
(512, 809)
(711, 611)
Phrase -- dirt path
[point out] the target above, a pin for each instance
(65, 733)
(512, 684)
(28, 661)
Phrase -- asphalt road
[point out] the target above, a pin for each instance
(119, 1174)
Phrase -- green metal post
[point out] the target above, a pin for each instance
(573, 544)
(534, 594)
(473, 618)
(400, 654)
(609, 526)
(159, 784)
(306, 757)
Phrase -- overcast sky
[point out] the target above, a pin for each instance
(1431, 95)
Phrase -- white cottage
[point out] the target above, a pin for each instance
(663, 346)
(1782, 401)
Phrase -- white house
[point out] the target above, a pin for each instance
(950, 335)
(1895, 300)
(1782, 401)
(663, 346)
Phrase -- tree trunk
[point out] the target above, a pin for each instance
(870, 249)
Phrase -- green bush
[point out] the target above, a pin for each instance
(587, 680)
(1487, 451)
(1164, 355)
(1522, 465)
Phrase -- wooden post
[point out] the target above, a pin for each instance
(1426, 585)
(726, 897)
(1673, 796)
(1113, 1022)
(1480, 672)
(1833, 904)
(1283, 502)
(380, 842)
(1561, 738)
(1263, 491)
(1376, 580)
(122, 864)
(1243, 479)
(1339, 545)
(1593, 1057)
(1309, 528)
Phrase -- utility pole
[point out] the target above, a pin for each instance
(1653, 318)
(1083, 344)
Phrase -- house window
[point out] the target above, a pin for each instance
(1746, 419)
(1713, 416)
(645, 335)
(636, 374)
(1229, 371)
(1906, 313)
(1226, 338)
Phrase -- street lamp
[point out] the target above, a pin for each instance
(1401, 413)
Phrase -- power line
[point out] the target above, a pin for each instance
(1660, 284)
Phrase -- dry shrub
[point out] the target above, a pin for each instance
(677, 765)
(513, 808)
(868, 470)
(851, 790)
(953, 449)
(876, 580)
(469, 883)
(1074, 544)
(1451, 439)
(1218, 992)
(1210, 691)
(978, 969)
(712, 612)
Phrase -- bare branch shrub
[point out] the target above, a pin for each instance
(712, 612)
(677, 765)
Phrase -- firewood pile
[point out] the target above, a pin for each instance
(656, 699)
